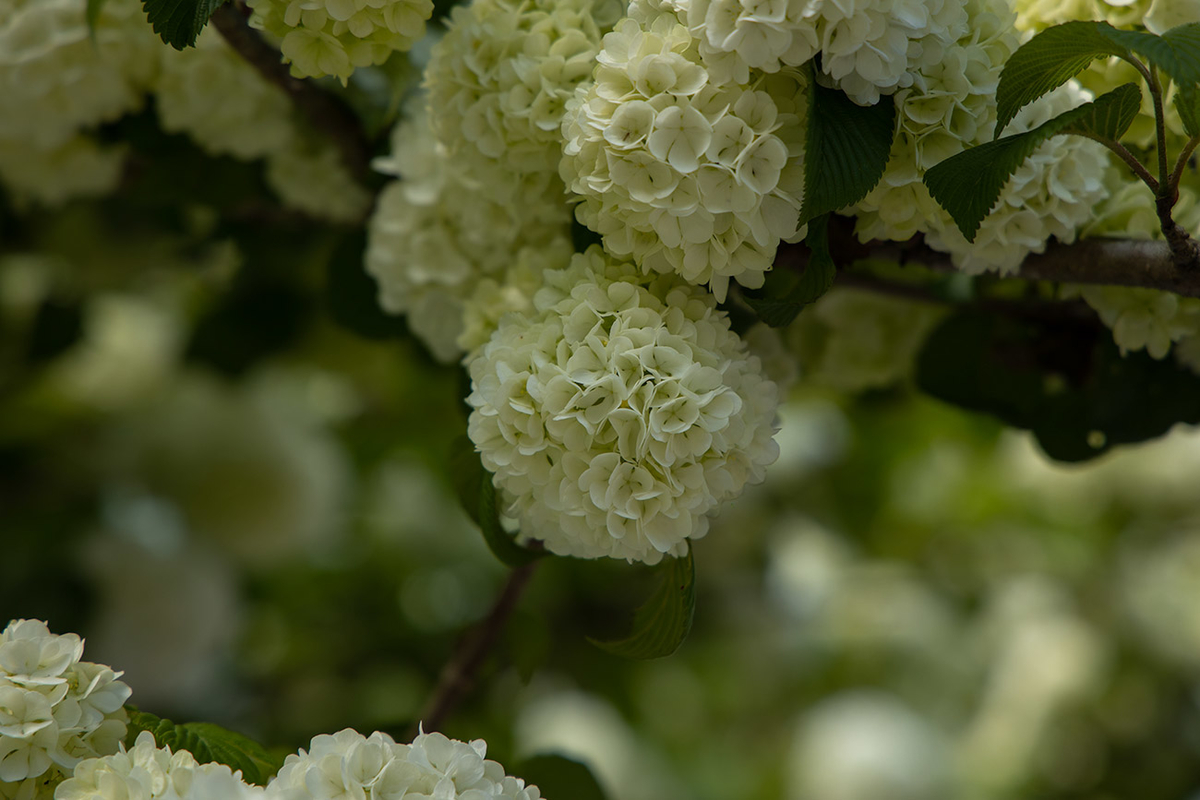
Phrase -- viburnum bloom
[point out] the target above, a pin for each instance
(147, 772)
(55, 710)
(619, 411)
(348, 764)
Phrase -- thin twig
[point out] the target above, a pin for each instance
(323, 110)
(1181, 163)
(458, 675)
(1160, 124)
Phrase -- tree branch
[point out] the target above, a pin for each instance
(458, 675)
(1109, 262)
(326, 112)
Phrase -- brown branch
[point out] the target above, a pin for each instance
(1109, 262)
(326, 112)
(458, 675)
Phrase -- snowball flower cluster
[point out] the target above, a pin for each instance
(435, 240)
(78, 167)
(619, 411)
(55, 710)
(676, 172)
(214, 95)
(348, 764)
(334, 37)
(499, 82)
(1143, 319)
(147, 772)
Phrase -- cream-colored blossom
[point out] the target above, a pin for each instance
(1143, 319)
(310, 177)
(619, 412)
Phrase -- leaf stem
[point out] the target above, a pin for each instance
(1160, 124)
(458, 675)
(1129, 158)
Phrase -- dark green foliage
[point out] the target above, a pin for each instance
(786, 292)
(207, 742)
(352, 293)
(663, 622)
(477, 494)
(179, 22)
(559, 776)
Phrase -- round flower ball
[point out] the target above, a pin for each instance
(348, 764)
(147, 772)
(55, 710)
(619, 411)
(334, 37)
(678, 172)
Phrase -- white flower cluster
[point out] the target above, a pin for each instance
(499, 82)
(334, 37)
(55, 710)
(215, 96)
(147, 772)
(435, 239)
(679, 173)
(348, 764)
(854, 340)
(951, 106)
(619, 412)
(58, 81)
(311, 177)
(867, 47)
(1142, 318)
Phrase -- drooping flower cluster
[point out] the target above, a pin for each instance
(214, 95)
(1142, 319)
(680, 173)
(147, 772)
(867, 48)
(619, 412)
(334, 37)
(55, 710)
(59, 81)
(435, 239)
(348, 764)
(951, 106)
(499, 82)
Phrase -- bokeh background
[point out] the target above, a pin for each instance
(229, 474)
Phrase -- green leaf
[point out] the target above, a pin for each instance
(1187, 103)
(558, 776)
(179, 22)
(477, 493)
(663, 622)
(92, 15)
(1060, 378)
(846, 152)
(969, 184)
(786, 292)
(207, 742)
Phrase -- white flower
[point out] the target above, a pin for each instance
(146, 772)
(1143, 319)
(347, 764)
(435, 239)
(618, 412)
(77, 167)
(333, 37)
(55, 710)
(679, 172)
(215, 96)
(311, 177)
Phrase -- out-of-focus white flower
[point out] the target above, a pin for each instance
(1143, 319)
(1155, 588)
(348, 764)
(435, 241)
(619, 412)
(146, 772)
(499, 82)
(1157, 15)
(678, 172)
(1166, 14)
(76, 167)
(310, 177)
(866, 746)
(55, 710)
(334, 37)
(215, 96)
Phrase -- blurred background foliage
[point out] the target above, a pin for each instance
(222, 465)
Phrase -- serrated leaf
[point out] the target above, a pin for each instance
(179, 22)
(846, 152)
(1187, 104)
(969, 184)
(477, 493)
(92, 14)
(1058, 54)
(207, 742)
(663, 622)
(785, 293)
(558, 776)
(1063, 380)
